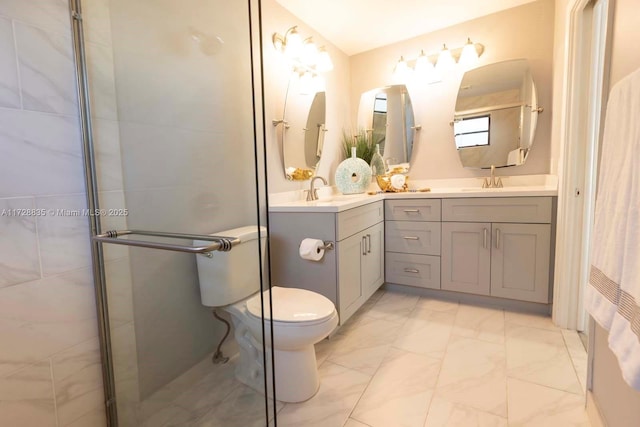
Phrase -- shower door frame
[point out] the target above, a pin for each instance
(93, 202)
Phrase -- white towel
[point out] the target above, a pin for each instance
(613, 293)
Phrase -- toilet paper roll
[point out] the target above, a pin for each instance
(311, 249)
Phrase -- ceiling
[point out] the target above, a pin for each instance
(355, 26)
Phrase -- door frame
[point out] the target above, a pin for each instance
(585, 79)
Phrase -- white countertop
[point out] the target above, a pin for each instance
(332, 201)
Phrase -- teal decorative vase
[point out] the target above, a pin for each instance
(353, 175)
(377, 163)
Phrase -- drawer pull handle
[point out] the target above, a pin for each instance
(368, 243)
(411, 210)
(497, 238)
(364, 245)
(410, 238)
(411, 270)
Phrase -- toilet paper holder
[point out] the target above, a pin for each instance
(326, 246)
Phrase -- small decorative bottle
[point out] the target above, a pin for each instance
(377, 163)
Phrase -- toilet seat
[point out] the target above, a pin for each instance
(292, 306)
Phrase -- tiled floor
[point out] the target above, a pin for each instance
(403, 360)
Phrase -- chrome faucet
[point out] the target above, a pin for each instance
(312, 193)
(492, 182)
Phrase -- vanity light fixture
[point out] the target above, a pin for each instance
(302, 53)
(431, 68)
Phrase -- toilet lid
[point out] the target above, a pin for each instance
(292, 305)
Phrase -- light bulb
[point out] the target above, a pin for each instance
(445, 60)
(402, 71)
(469, 55)
(293, 43)
(324, 61)
(309, 53)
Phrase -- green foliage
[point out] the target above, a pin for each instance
(363, 141)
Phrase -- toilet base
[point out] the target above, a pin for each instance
(297, 374)
(296, 371)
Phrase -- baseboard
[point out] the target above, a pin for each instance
(593, 412)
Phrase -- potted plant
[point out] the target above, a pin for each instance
(363, 141)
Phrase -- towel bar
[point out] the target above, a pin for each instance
(219, 243)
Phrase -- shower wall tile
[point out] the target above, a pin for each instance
(47, 70)
(64, 234)
(119, 292)
(26, 397)
(113, 205)
(96, 21)
(77, 380)
(44, 317)
(106, 141)
(18, 242)
(103, 84)
(40, 154)
(9, 88)
(52, 15)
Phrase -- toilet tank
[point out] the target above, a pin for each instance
(228, 277)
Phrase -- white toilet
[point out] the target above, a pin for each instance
(300, 318)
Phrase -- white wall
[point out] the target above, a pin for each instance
(49, 360)
(522, 32)
(276, 19)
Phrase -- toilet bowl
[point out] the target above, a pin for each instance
(299, 318)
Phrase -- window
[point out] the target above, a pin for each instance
(471, 131)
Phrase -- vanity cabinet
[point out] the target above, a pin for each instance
(498, 246)
(412, 242)
(350, 273)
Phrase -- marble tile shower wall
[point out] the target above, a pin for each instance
(50, 372)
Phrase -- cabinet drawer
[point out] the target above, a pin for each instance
(413, 270)
(498, 209)
(412, 210)
(412, 237)
(357, 219)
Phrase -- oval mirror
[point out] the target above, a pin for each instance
(388, 114)
(303, 133)
(496, 114)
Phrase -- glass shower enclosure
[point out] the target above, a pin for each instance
(173, 144)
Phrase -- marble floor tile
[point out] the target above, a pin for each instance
(531, 320)
(340, 389)
(578, 355)
(431, 304)
(540, 356)
(364, 347)
(448, 414)
(242, 407)
(473, 374)
(400, 391)
(393, 306)
(535, 405)
(426, 332)
(483, 323)
(355, 423)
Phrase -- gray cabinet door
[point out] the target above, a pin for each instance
(520, 261)
(350, 253)
(466, 257)
(373, 259)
